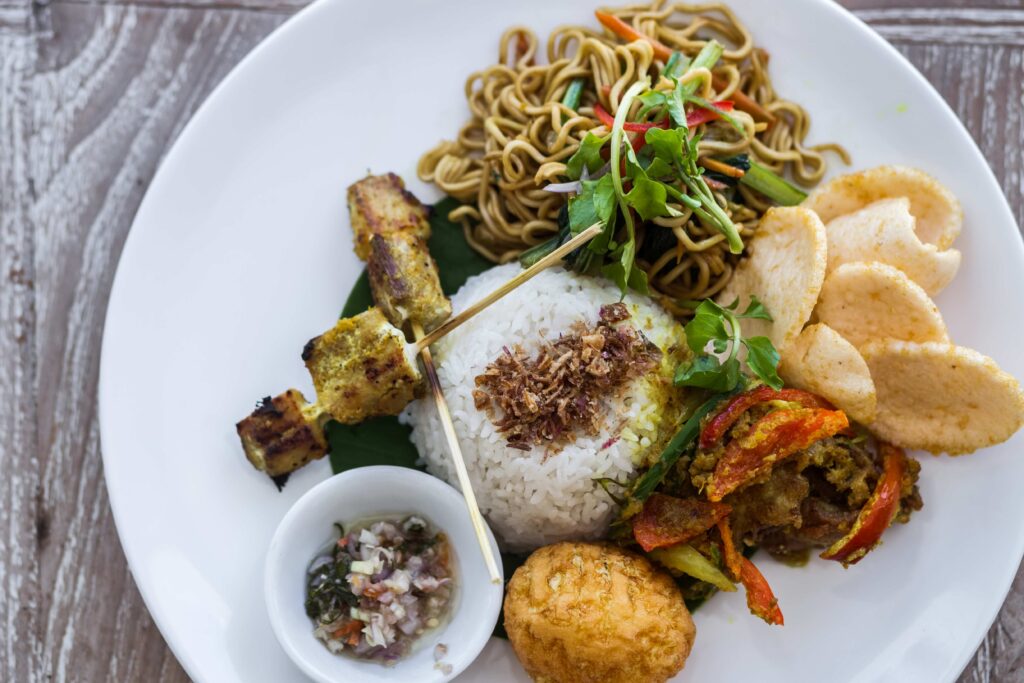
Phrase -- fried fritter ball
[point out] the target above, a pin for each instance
(595, 613)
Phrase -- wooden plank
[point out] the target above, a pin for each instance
(950, 26)
(91, 97)
(111, 89)
(19, 588)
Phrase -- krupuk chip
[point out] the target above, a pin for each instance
(868, 301)
(937, 211)
(941, 398)
(822, 362)
(884, 232)
(785, 271)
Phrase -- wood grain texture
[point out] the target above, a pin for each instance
(92, 94)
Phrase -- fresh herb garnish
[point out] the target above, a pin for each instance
(719, 326)
(571, 99)
(328, 593)
(647, 176)
(588, 156)
(772, 186)
(683, 439)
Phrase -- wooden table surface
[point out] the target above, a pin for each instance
(92, 94)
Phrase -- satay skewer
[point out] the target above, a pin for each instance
(361, 368)
(460, 463)
(523, 276)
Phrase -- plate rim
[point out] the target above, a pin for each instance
(280, 33)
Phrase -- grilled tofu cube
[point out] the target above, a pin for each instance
(404, 281)
(380, 205)
(283, 434)
(362, 367)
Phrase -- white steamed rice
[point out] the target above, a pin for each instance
(535, 498)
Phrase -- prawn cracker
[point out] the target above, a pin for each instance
(822, 362)
(938, 212)
(884, 232)
(942, 398)
(868, 301)
(785, 271)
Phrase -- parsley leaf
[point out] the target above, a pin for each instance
(647, 196)
(719, 326)
(755, 309)
(763, 360)
(707, 372)
(667, 144)
(708, 324)
(588, 155)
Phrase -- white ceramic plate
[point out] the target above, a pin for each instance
(241, 252)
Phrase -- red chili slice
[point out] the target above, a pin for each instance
(773, 438)
(760, 599)
(694, 118)
(667, 520)
(727, 416)
(877, 514)
(733, 559)
(702, 115)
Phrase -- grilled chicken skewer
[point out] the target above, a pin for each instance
(361, 368)
(406, 287)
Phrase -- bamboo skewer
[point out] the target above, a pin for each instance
(460, 464)
(546, 262)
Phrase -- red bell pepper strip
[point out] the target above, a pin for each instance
(607, 119)
(741, 403)
(733, 559)
(694, 118)
(772, 439)
(877, 514)
(630, 34)
(702, 115)
(667, 520)
(603, 116)
(760, 599)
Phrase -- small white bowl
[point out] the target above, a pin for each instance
(353, 496)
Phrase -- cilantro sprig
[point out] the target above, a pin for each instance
(645, 177)
(719, 326)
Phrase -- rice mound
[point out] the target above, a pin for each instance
(533, 498)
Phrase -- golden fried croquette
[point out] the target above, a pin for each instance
(595, 613)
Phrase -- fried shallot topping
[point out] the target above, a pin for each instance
(548, 399)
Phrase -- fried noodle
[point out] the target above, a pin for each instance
(520, 136)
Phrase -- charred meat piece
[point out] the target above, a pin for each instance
(282, 434)
(380, 205)
(362, 367)
(404, 280)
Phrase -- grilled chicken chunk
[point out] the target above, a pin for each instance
(283, 434)
(362, 367)
(404, 281)
(380, 205)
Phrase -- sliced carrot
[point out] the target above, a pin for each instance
(745, 103)
(630, 34)
(720, 167)
(346, 631)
